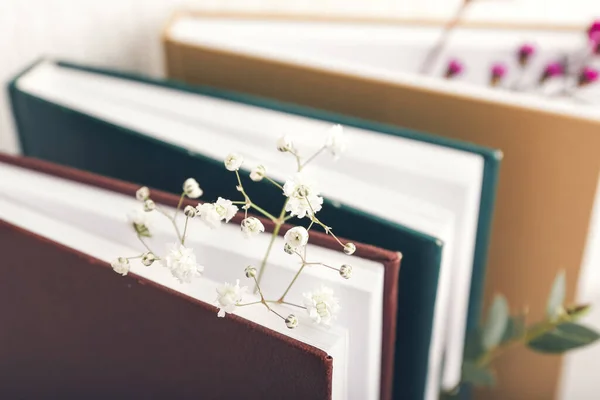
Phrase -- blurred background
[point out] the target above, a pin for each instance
(125, 34)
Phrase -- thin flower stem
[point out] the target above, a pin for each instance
(249, 304)
(324, 265)
(178, 205)
(263, 264)
(172, 219)
(298, 160)
(437, 49)
(274, 183)
(248, 201)
(313, 156)
(292, 304)
(133, 258)
(184, 230)
(282, 298)
(263, 212)
(239, 202)
(144, 243)
(276, 313)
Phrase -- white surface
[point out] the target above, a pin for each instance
(427, 187)
(580, 368)
(88, 219)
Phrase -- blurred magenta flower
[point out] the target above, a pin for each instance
(497, 72)
(595, 42)
(455, 67)
(594, 29)
(552, 70)
(588, 75)
(526, 51)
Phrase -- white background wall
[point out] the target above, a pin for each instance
(125, 33)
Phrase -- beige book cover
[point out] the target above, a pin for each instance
(549, 174)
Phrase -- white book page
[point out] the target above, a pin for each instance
(427, 187)
(102, 213)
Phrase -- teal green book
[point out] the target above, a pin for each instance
(429, 198)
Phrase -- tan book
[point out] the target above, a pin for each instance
(550, 172)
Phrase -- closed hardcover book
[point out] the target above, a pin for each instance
(427, 197)
(77, 329)
(367, 68)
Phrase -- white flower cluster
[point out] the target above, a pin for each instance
(302, 199)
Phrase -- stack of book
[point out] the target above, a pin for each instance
(416, 190)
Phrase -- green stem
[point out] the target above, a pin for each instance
(263, 212)
(263, 264)
(274, 183)
(312, 157)
(184, 230)
(144, 243)
(291, 283)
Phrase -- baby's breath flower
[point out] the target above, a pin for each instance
(291, 321)
(346, 271)
(296, 237)
(335, 141)
(191, 188)
(251, 227)
(148, 258)
(233, 161)
(229, 296)
(181, 261)
(250, 271)
(120, 265)
(142, 193)
(141, 222)
(285, 144)
(213, 213)
(189, 211)
(149, 205)
(303, 196)
(349, 248)
(258, 173)
(321, 305)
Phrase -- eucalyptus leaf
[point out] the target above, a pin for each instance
(564, 337)
(496, 322)
(557, 295)
(473, 345)
(476, 375)
(515, 328)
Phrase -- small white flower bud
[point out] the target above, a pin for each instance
(149, 205)
(189, 211)
(148, 258)
(296, 237)
(191, 188)
(285, 144)
(251, 226)
(250, 271)
(142, 193)
(346, 271)
(288, 249)
(291, 321)
(233, 161)
(258, 173)
(349, 248)
(120, 265)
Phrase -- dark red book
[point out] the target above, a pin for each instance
(73, 328)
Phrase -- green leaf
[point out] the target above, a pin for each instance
(495, 325)
(473, 346)
(564, 337)
(515, 328)
(476, 375)
(142, 230)
(557, 295)
(577, 311)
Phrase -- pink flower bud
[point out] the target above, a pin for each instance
(497, 72)
(526, 51)
(588, 75)
(454, 68)
(552, 70)
(594, 29)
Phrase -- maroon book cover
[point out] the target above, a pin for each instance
(71, 330)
